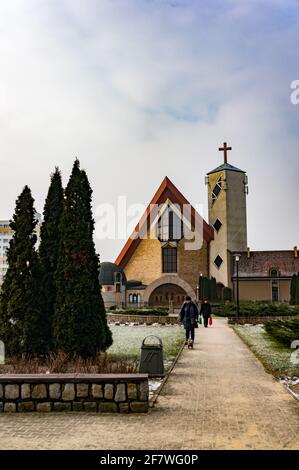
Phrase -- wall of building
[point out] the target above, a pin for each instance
(218, 246)
(230, 209)
(192, 263)
(236, 211)
(262, 290)
(146, 263)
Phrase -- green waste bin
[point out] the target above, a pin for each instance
(151, 357)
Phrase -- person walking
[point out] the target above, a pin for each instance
(206, 312)
(189, 316)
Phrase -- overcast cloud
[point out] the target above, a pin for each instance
(140, 89)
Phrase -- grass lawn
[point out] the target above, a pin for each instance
(275, 357)
(127, 340)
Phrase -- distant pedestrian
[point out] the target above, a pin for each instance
(206, 312)
(189, 316)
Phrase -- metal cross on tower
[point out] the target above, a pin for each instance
(224, 149)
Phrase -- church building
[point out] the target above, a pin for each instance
(172, 247)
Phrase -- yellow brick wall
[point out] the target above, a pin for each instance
(146, 263)
(191, 263)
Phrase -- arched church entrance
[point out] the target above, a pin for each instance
(167, 295)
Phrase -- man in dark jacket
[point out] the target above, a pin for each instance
(189, 316)
(206, 312)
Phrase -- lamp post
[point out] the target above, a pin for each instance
(237, 259)
(200, 290)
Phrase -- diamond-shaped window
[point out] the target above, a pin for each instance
(218, 261)
(216, 190)
(217, 225)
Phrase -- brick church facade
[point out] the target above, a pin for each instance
(173, 246)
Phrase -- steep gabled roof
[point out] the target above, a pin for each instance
(166, 191)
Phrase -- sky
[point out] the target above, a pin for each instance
(141, 89)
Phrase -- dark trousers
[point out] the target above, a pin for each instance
(190, 331)
(206, 321)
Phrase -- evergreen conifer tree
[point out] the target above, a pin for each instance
(293, 289)
(297, 290)
(80, 325)
(49, 248)
(21, 322)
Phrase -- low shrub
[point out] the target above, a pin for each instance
(254, 309)
(62, 363)
(284, 331)
(159, 311)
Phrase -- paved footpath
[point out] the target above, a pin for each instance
(217, 397)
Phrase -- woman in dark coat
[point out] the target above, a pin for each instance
(189, 316)
(206, 312)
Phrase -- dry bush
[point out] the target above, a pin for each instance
(62, 363)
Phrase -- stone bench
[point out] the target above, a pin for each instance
(112, 393)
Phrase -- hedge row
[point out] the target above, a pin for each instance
(254, 309)
(284, 331)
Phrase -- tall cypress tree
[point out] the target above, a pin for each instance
(293, 289)
(49, 248)
(80, 325)
(297, 290)
(21, 323)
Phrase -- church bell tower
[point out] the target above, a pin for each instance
(227, 190)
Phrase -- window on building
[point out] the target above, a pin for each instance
(117, 281)
(216, 190)
(169, 260)
(273, 272)
(275, 291)
(217, 225)
(170, 226)
(218, 261)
